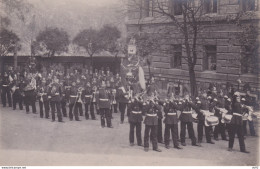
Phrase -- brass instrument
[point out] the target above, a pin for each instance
(80, 89)
(130, 94)
(114, 96)
(94, 93)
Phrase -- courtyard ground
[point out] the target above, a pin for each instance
(26, 140)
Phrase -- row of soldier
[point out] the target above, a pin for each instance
(103, 93)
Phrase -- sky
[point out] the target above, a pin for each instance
(70, 15)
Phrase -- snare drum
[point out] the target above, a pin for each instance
(194, 116)
(211, 121)
(227, 118)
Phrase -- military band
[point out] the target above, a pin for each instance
(103, 93)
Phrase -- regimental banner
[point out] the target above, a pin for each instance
(132, 49)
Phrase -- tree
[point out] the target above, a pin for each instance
(146, 45)
(185, 16)
(51, 41)
(90, 40)
(189, 26)
(110, 36)
(9, 42)
(111, 41)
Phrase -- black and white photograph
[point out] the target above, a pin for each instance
(129, 83)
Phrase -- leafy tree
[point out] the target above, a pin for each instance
(110, 36)
(90, 40)
(51, 41)
(9, 42)
(146, 44)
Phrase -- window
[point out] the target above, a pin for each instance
(248, 5)
(210, 6)
(148, 6)
(176, 57)
(175, 7)
(210, 59)
(249, 60)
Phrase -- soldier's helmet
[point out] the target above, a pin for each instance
(103, 84)
(78, 81)
(43, 80)
(112, 79)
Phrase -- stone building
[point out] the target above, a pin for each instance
(219, 49)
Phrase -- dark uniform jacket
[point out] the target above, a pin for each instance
(228, 107)
(135, 109)
(170, 110)
(88, 94)
(237, 110)
(197, 108)
(153, 112)
(122, 95)
(73, 94)
(103, 98)
(185, 107)
(54, 92)
(42, 92)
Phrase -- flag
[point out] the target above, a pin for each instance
(141, 78)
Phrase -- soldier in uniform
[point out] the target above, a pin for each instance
(93, 104)
(123, 99)
(103, 104)
(54, 95)
(80, 98)
(88, 96)
(220, 128)
(29, 94)
(72, 101)
(17, 95)
(135, 119)
(63, 96)
(236, 124)
(42, 91)
(6, 91)
(186, 120)
(113, 93)
(152, 112)
(171, 124)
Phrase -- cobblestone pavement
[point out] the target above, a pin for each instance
(26, 139)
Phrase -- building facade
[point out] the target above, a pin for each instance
(221, 54)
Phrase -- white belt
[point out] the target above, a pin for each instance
(103, 99)
(152, 115)
(187, 112)
(73, 96)
(136, 112)
(171, 113)
(56, 94)
(237, 114)
(88, 95)
(43, 93)
(5, 85)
